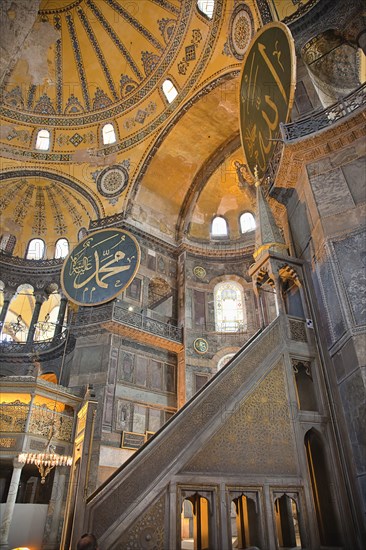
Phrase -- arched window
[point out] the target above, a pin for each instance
(287, 522)
(245, 529)
(170, 91)
(62, 248)
(230, 315)
(82, 233)
(196, 521)
(219, 227)
(35, 250)
(224, 360)
(247, 222)
(7, 243)
(43, 140)
(206, 7)
(108, 133)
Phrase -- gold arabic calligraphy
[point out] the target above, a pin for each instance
(99, 264)
(259, 132)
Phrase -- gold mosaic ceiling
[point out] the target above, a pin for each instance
(30, 206)
(99, 52)
(90, 61)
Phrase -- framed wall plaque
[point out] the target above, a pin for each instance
(132, 440)
(200, 345)
(101, 266)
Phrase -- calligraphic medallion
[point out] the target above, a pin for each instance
(200, 345)
(100, 267)
(199, 271)
(267, 88)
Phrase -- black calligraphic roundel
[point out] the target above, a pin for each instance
(267, 88)
(100, 267)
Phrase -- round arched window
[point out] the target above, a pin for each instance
(247, 222)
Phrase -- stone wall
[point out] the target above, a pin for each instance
(327, 215)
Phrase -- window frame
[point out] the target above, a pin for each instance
(109, 132)
(202, 11)
(166, 94)
(5, 247)
(219, 236)
(233, 325)
(42, 138)
(244, 232)
(68, 248)
(43, 251)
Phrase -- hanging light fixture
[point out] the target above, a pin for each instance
(46, 461)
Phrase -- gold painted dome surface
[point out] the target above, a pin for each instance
(43, 207)
(86, 56)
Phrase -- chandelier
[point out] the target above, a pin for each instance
(46, 461)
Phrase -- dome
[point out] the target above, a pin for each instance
(91, 56)
(127, 108)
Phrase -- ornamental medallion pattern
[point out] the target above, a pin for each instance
(240, 30)
(112, 180)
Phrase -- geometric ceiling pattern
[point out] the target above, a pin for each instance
(39, 206)
(96, 53)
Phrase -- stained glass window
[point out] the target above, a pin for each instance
(230, 315)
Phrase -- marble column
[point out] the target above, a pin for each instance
(40, 298)
(8, 295)
(10, 503)
(55, 508)
(60, 316)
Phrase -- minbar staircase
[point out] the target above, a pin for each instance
(237, 431)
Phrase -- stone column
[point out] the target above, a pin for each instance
(8, 295)
(60, 316)
(55, 508)
(40, 298)
(10, 503)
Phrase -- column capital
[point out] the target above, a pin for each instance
(40, 296)
(63, 296)
(9, 293)
(17, 464)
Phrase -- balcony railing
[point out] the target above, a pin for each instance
(323, 119)
(122, 314)
(13, 338)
